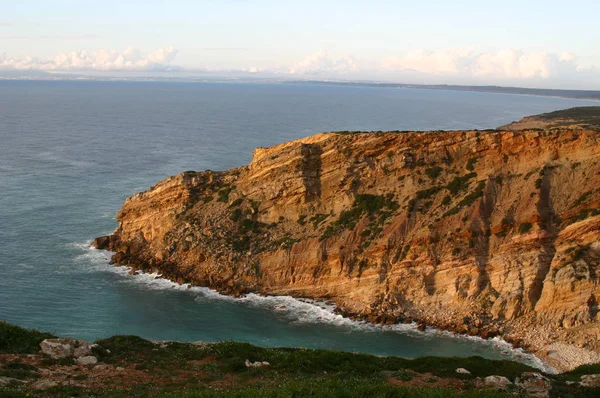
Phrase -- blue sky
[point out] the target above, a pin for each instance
(530, 43)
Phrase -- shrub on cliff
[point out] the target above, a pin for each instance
(18, 340)
(525, 227)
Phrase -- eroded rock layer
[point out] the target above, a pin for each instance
(484, 232)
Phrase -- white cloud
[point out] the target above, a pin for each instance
(505, 64)
(448, 66)
(104, 60)
(320, 63)
(457, 66)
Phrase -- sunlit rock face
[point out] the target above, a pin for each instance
(483, 232)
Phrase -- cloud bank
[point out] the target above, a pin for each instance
(462, 64)
(451, 66)
(104, 60)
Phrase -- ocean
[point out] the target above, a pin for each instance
(72, 151)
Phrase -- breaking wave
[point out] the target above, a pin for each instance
(293, 310)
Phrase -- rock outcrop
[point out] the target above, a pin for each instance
(483, 232)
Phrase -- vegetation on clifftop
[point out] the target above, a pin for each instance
(132, 366)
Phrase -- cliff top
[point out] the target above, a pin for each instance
(580, 117)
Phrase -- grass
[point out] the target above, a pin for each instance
(323, 386)
(339, 387)
(18, 370)
(293, 372)
(16, 340)
(294, 361)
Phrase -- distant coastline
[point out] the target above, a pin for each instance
(544, 92)
(593, 95)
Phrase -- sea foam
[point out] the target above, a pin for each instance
(293, 310)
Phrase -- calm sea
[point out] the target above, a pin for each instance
(71, 152)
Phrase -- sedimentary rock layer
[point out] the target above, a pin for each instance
(484, 232)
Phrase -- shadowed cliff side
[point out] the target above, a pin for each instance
(483, 232)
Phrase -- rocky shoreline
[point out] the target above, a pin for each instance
(556, 357)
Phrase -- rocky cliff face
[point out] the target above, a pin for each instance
(483, 232)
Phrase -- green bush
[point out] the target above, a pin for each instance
(525, 227)
(223, 194)
(18, 340)
(471, 164)
(460, 183)
(433, 172)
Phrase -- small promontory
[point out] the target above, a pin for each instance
(493, 232)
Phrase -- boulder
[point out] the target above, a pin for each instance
(256, 364)
(497, 381)
(44, 384)
(66, 347)
(592, 381)
(83, 348)
(87, 360)
(463, 371)
(534, 385)
(58, 348)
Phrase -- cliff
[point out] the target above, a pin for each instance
(483, 232)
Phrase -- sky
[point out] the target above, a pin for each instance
(526, 43)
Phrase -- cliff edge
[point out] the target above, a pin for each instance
(489, 233)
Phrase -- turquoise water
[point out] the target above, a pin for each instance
(71, 152)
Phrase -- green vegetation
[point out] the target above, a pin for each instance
(371, 205)
(173, 369)
(455, 186)
(249, 225)
(433, 172)
(16, 340)
(18, 370)
(460, 183)
(530, 173)
(575, 165)
(235, 215)
(583, 214)
(223, 194)
(236, 202)
(471, 164)
(287, 242)
(467, 200)
(584, 197)
(302, 219)
(589, 115)
(317, 219)
(525, 227)
(538, 183)
(428, 193)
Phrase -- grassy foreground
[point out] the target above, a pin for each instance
(131, 366)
